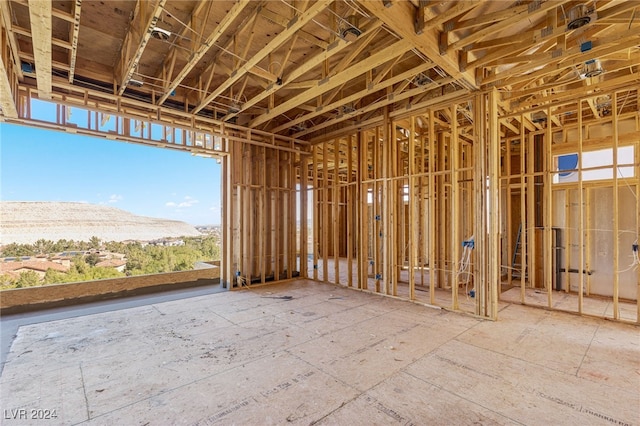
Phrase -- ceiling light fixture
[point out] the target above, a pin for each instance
(160, 33)
(349, 28)
(592, 68)
(135, 83)
(579, 16)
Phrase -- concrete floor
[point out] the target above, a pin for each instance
(310, 353)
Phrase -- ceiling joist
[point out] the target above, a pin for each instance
(295, 24)
(329, 83)
(142, 25)
(195, 57)
(334, 48)
(40, 16)
(399, 17)
(75, 31)
(7, 102)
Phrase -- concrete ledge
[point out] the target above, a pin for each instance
(54, 295)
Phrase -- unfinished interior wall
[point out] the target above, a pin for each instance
(261, 193)
(570, 218)
(396, 206)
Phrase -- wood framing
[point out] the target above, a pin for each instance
(454, 154)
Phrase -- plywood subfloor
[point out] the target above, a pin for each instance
(311, 353)
(591, 305)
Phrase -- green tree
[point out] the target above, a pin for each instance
(16, 250)
(54, 277)
(92, 259)
(7, 281)
(94, 242)
(43, 246)
(28, 279)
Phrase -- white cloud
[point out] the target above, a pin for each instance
(115, 198)
(188, 202)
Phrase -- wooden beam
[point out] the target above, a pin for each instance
(294, 25)
(356, 96)
(75, 30)
(196, 56)
(40, 16)
(493, 193)
(7, 102)
(458, 8)
(399, 17)
(308, 65)
(568, 59)
(516, 15)
(284, 22)
(388, 100)
(144, 20)
(5, 15)
(329, 83)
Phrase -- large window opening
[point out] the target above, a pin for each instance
(82, 208)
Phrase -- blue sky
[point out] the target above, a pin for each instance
(45, 165)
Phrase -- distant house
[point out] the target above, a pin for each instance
(40, 267)
(117, 264)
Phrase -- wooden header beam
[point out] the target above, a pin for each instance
(40, 16)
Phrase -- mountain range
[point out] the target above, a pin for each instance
(25, 222)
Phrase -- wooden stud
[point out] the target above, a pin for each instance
(530, 225)
(304, 223)
(413, 226)
(336, 211)
(263, 220)
(432, 208)
(494, 206)
(325, 212)
(508, 216)
(524, 192)
(549, 251)
(363, 213)
(454, 162)
(616, 215)
(349, 210)
(316, 212)
(481, 256)
(581, 263)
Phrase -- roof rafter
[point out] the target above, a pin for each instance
(459, 8)
(358, 95)
(136, 40)
(75, 30)
(331, 82)
(294, 25)
(399, 17)
(40, 16)
(517, 14)
(7, 102)
(224, 25)
(570, 58)
(13, 44)
(309, 64)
